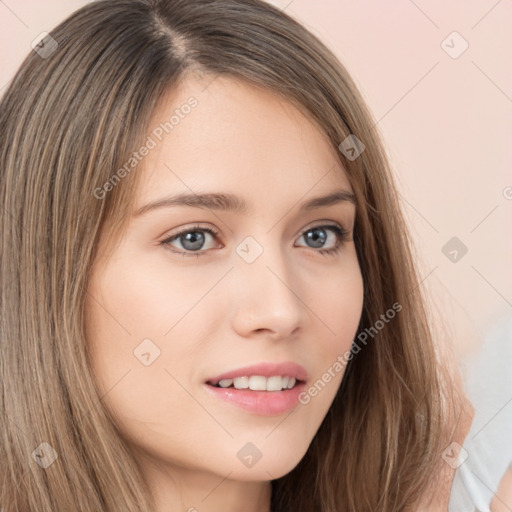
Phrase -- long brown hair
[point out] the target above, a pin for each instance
(73, 116)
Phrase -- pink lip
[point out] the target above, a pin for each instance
(286, 369)
(264, 403)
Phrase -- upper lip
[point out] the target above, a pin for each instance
(284, 369)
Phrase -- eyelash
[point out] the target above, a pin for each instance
(341, 233)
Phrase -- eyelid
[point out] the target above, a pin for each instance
(194, 227)
(323, 224)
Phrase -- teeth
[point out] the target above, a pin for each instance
(259, 383)
(274, 383)
(241, 382)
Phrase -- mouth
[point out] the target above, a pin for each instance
(265, 389)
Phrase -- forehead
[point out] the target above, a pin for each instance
(222, 131)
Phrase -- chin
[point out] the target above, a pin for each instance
(268, 468)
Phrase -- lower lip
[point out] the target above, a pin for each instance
(264, 403)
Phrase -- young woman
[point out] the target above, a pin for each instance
(208, 299)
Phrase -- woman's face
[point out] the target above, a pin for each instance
(168, 313)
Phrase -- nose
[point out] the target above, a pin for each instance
(267, 299)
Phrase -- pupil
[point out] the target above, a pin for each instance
(318, 241)
(193, 240)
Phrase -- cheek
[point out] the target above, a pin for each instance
(153, 408)
(133, 299)
(337, 303)
(141, 331)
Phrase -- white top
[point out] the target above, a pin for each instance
(489, 442)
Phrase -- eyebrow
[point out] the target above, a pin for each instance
(233, 203)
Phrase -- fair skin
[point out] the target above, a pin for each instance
(217, 312)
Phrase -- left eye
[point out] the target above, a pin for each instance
(318, 237)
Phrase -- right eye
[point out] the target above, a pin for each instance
(191, 240)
